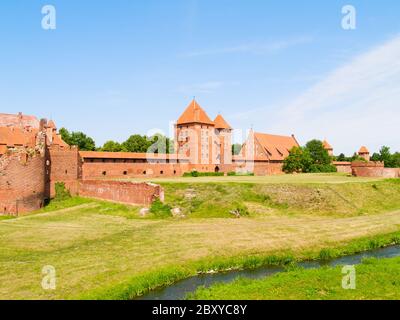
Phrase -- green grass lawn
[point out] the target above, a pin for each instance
(329, 178)
(102, 249)
(332, 199)
(375, 279)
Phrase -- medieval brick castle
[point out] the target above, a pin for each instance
(33, 158)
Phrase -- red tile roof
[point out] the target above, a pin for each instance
(220, 123)
(276, 147)
(363, 150)
(10, 136)
(3, 149)
(57, 140)
(194, 113)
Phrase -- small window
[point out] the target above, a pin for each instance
(125, 173)
(174, 171)
(104, 173)
(66, 171)
(161, 172)
(144, 172)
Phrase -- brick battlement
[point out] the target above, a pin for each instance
(369, 164)
(373, 169)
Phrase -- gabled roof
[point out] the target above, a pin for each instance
(194, 113)
(220, 123)
(327, 146)
(363, 150)
(276, 147)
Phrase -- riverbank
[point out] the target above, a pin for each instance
(138, 286)
(374, 279)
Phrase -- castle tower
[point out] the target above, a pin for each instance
(222, 142)
(51, 131)
(194, 136)
(364, 153)
(328, 147)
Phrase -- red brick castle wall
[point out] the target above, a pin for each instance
(65, 166)
(23, 183)
(373, 169)
(121, 191)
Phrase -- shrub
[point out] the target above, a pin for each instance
(203, 174)
(326, 254)
(160, 210)
(61, 192)
(233, 173)
(317, 168)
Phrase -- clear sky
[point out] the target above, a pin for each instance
(114, 68)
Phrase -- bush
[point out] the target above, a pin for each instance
(317, 168)
(203, 174)
(233, 173)
(61, 192)
(160, 210)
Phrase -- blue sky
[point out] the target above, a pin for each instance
(114, 68)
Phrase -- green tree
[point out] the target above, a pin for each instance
(376, 157)
(136, 143)
(318, 153)
(311, 158)
(161, 144)
(396, 160)
(299, 160)
(236, 148)
(386, 156)
(356, 157)
(84, 142)
(111, 146)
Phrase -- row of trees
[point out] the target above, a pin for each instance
(135, 143)
(309, 159)
(391, 160)
(384, 154)
(79, 139)
(342, 157)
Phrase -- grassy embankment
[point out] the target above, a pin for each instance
(105, 250)
(375, 279)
